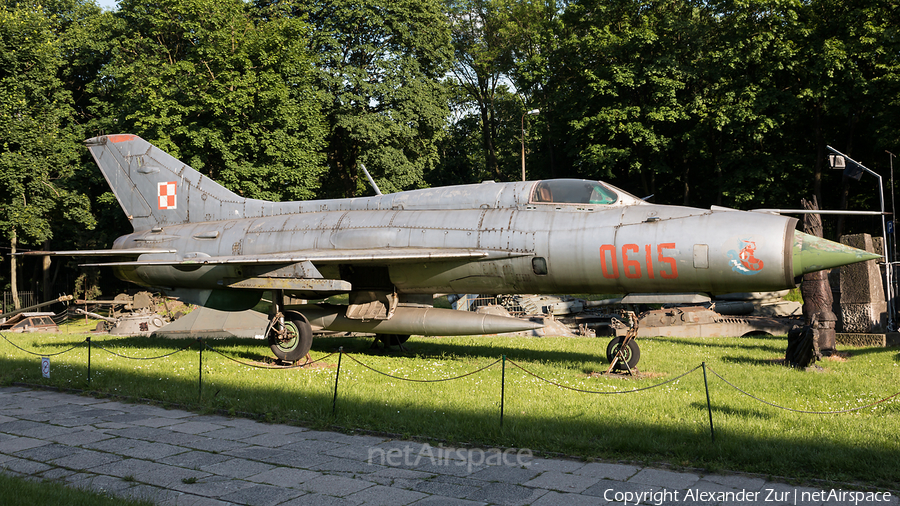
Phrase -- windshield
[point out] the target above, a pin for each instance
(572, 191)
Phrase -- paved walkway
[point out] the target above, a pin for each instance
(175, 457)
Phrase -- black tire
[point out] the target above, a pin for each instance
(632, 353)
(297, 339)
(393, 339)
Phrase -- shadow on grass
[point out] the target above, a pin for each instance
(750, 361)
(731, 411)
(778, 344)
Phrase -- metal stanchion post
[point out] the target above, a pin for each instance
(336, 377)
(712, 432)
(502, 388)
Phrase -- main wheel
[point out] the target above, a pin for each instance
(291, 342)
(393, 339)
(632, 353)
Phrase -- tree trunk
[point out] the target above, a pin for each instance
(45, 274)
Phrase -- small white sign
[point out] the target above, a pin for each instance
(45, 366)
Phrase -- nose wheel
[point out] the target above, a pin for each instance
(623, 354)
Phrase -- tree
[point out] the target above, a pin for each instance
(380, 68)
(39, 143)
(224, 86)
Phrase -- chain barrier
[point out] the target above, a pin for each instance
(143, 358)
(41, 354)
(266, 366)
(606, 392)
(424, 381)
(504, 359)
(849, 410)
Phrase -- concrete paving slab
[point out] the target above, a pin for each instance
(194, 459)
(507, 494)
(319, 500)
(89, 443)
(233, 433)
(192, 427)
(99, 483)
(194, 500)
(442, 485)
(237, 468)
(602, 470)
(437, 500)
(150, 451)
(206, 444)
(270, 440)
(505, 474)
(45, 452)
(339, 465)
(81, 437)
(379, 495)
(262, 495)
(212, 486)
(156, 422)
(15, 444)
(615, 490)
(665, 479)
(85, 459)
(335, 485)
(552, 498)
(284, 476)
(24, 466)
(562, 482)
(736, 481)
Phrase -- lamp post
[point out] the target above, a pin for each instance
(854, 169)
(529, 113)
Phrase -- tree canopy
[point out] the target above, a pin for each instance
(701, 103)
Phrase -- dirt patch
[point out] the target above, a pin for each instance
(617, 375)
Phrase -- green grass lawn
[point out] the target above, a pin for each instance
(21, 492)
(669, 423)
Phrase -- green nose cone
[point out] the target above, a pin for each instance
(813, 253)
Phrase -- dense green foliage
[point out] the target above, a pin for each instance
(700, 103)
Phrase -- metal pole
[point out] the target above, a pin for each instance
(200, 377)
(528, 113)
(89, 359)
(893, 207)
(889, 290)
(712, 432)
(502, 388)
(336, 377)
(523, 147)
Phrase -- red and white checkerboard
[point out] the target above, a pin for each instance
(167, 195)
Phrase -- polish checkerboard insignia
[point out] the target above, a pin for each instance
(166, 195)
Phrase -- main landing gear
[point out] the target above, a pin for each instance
(289, 333)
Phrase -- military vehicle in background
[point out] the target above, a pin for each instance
(129, 315)
(25, 320)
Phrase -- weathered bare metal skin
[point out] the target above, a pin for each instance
(497, 220)
(195, 239)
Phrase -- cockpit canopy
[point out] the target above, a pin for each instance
(572, 191)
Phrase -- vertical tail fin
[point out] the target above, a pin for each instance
(155, 189)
